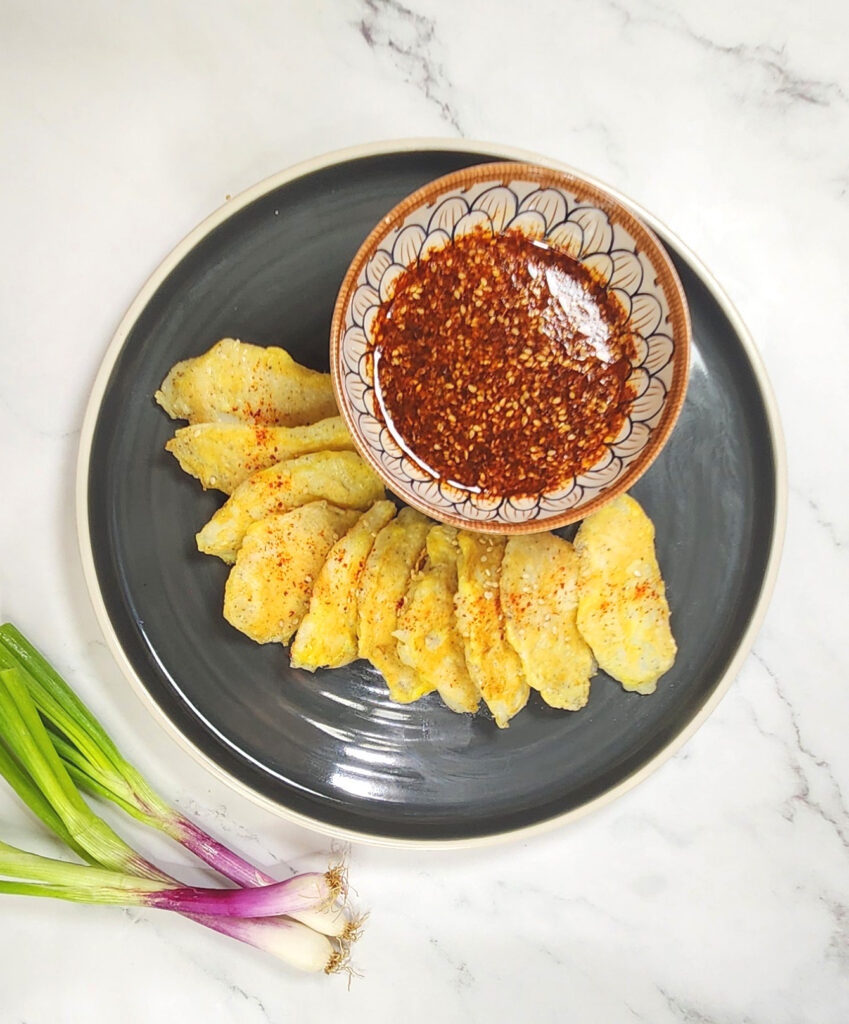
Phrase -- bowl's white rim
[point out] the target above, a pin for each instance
(131, 316)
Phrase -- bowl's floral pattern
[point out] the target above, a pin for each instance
(589, 234)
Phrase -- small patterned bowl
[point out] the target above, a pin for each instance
(575, 216)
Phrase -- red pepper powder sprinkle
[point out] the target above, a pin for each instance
(501, 364)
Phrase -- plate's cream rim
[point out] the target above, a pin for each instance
(144, 296)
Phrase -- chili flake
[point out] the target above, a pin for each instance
(501, 364)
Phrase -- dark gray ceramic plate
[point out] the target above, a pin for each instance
(330, 749)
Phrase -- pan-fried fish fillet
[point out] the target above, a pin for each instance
(342, 478)
(539, 595)
(327, 635)
(238, 383)
(223, 455)
(493, 664)
(268, 589)
(397, 550)
(428, 638)
(622, 609)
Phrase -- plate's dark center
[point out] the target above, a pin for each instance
(331, 746)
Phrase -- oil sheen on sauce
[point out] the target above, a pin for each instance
(501, 365)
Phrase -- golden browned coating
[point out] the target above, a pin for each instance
(493, 664)
(622, 609)
(268, 589)
(539, 595)
(432, 608)
(239, 383)
(341, 478)
(223, 455)
(398, 549)
(327, 635)
(428, 638)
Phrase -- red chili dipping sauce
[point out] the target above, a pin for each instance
(501, 364)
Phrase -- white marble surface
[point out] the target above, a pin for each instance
(718, 891)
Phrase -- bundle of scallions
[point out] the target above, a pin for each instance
(52, 749)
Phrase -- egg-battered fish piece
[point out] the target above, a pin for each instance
(622, 609)
(539, 595)
(396, 553)
(239, 383)
(223, 455)
(493, 664)
(327, 635)
(268, 589)
(342, 478)
(428, 638)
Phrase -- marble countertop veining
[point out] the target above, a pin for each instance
(717, 891)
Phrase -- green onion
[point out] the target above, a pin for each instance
(288, 940)
(96, 765)
(32, 797)
(87, 884)
(34, 868)
(26, 738)
(51, 744)
(101, 768)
